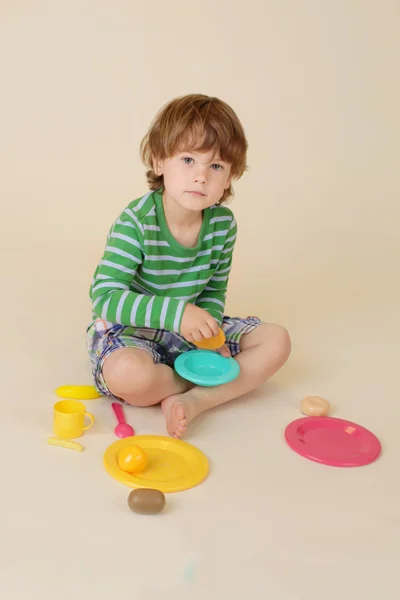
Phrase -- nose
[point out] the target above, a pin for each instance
(200, 174)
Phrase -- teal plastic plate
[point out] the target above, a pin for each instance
(207, 368)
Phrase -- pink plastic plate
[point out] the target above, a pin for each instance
(332, 441)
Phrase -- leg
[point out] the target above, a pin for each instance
(132, 375)
(263, 352)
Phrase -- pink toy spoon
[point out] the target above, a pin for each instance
(122, 430)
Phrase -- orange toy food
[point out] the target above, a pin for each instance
(132, 459)
(212, 343)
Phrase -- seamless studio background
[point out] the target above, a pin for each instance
(316, 85)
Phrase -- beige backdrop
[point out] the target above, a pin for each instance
(317, 87)
(316, 84)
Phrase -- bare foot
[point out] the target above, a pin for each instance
(179, 410)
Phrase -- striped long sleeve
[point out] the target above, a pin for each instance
(113, 299)
(146, 277)
(213, 297)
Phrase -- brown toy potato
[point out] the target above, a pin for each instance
(146, 501)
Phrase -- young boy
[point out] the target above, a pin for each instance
(162, 280)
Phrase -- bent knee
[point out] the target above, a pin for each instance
(128, 371)
(276, 340)
(282, 341)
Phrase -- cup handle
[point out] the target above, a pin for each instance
(91, 417)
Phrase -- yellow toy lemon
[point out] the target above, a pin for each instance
(132, 459)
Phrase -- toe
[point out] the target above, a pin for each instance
(180, 412)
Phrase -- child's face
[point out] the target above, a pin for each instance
(195, 180)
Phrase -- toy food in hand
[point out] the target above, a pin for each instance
(132, 459)
(146, 501)
(212, 343)
(314, 406)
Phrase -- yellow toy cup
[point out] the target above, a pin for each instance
(69, 417)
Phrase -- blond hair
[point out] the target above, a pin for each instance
(195, 122)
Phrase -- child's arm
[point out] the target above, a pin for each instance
(110, 291)
(212, 298)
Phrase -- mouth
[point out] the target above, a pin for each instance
(195, 193)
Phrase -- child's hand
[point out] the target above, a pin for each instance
(224, 351)
(197, 324)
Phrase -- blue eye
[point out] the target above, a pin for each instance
(217, 167)
(187, 159)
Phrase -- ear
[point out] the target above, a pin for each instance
(228, 183)
(158, 166)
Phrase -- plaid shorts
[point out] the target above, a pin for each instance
(164, 346)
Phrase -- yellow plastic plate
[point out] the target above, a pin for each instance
(78, 392)
(173, 465)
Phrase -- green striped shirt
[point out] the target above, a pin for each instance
(145, 277)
